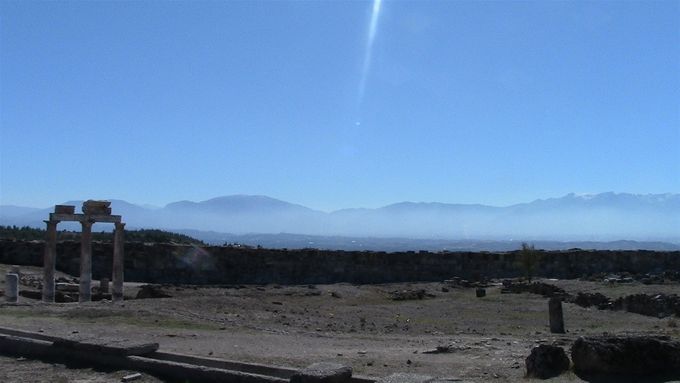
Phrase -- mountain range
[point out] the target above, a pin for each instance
(593, 217)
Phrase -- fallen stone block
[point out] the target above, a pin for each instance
(152, 291)
(546, 362)
(591, 299)
(626, 356)
(407, 295)
(323, 372)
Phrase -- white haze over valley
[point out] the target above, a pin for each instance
(596, 217)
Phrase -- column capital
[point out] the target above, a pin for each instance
(119, 225)
(86, 223)
(51, 222)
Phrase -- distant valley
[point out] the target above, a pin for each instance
(605, 220)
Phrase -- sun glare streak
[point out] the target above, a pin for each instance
(372, 30)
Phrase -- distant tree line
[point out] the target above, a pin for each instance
(26, 233)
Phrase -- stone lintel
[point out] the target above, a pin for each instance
(123, 347)
(85, 217)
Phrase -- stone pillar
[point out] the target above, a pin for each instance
(85, 291)
(556, 316)
(49, 261)
(104, 285)
(11, 287)
(118, 263)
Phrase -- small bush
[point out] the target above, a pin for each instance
(529, 258)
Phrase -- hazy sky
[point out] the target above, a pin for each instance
(451, 101)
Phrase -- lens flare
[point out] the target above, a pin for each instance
(372, 30)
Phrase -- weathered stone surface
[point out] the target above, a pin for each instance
(49, 261)
(151, 291)
(67, 287)
(30, 294)
(85, 288)
(591, 299)
(64, 209)
(626, 356)
(402, 377)
(11, 287)
(172, 371)
(122, 347)
(104, 285)
(546, 362)
(658, 305)
(165, 263)
(323, 372)
(556, 316)
(118, 268)
(96, 207)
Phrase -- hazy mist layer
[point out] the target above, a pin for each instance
(598, 217)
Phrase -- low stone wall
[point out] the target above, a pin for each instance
(169, 263)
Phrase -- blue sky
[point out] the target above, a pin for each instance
(471, 102)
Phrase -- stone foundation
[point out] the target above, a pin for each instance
(168, 263)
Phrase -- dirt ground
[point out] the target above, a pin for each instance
(358, 325)
(25, 370)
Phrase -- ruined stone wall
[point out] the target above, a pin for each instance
(168, 263)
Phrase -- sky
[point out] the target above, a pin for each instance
(335, 104)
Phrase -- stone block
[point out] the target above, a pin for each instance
(11, 287)
(67, 287)
(92, 207)
(556, 315)
(104, 285)
(120, 347)
(546, 362)
(323, 372)
(64, 209)
(641, 356)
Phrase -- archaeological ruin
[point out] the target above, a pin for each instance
(93, 211)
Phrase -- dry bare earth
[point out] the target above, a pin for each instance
(355, 325)
(26, 370)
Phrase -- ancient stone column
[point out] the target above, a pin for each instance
(556, 316)
(85, 291)
(118, 264)
(104, 285)
(49, 261)
(11, 287)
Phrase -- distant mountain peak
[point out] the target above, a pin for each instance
(590, 216)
